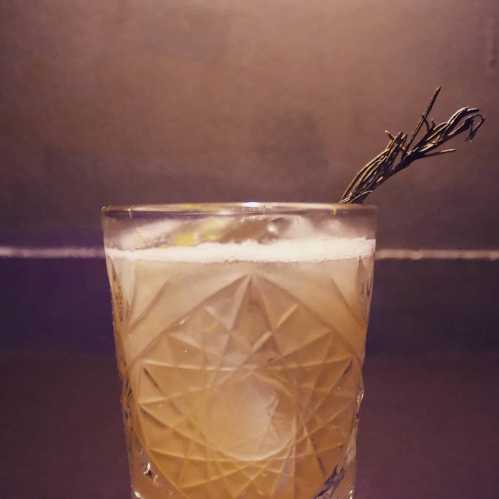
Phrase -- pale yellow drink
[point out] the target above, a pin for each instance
(242, 366)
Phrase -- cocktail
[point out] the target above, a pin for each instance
(240, 333)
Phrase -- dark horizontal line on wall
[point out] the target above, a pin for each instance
(382, 254)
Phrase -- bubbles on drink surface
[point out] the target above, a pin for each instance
(257, 228)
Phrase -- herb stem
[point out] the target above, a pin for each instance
(401, 151)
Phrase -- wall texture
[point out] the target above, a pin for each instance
(128, 101)
(133, 101)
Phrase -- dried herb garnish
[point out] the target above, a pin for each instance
(403, 149)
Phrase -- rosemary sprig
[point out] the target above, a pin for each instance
(402, 149)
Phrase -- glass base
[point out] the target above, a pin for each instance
(147, 483)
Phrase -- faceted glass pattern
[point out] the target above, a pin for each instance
(241, 380)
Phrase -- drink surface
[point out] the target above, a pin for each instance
(242, 366)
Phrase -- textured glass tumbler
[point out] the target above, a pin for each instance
(240, 332)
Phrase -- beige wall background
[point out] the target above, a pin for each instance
(126, 101)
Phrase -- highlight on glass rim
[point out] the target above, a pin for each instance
(240, 334)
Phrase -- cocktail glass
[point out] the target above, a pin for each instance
(240, 336)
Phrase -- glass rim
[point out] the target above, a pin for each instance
(234, 208)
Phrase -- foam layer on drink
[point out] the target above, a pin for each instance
(301, 250)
